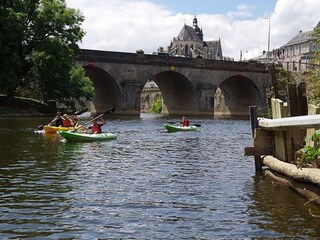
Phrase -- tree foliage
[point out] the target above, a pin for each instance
(309, 154)
(156, 106)
(312, 75)
(284, 78)
(38, 42)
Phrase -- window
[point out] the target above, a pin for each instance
(299, 65)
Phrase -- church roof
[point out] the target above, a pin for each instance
(212, 44)
(187, 33)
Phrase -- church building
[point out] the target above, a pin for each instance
(190, 43)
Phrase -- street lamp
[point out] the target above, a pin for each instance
(268, 52)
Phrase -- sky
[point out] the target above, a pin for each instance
(241, 25)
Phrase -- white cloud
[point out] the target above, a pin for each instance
(128, 25)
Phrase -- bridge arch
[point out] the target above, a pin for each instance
(127, 73)
(234, 95)
(107, 91)
(178, 93)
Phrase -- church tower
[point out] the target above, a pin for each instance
(197, 29)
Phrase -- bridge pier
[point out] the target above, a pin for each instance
(131, 97)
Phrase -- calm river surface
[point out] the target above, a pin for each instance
(147, 184)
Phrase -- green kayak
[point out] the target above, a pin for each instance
(84, 137)
(177, 128)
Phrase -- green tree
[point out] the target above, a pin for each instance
(37, 45)
(283, 79)
(312, 75)
(156, 106)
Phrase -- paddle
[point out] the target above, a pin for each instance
(40, 127)
(109, 111)
(81, 111)
(196, 125)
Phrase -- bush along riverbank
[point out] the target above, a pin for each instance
(15, 106)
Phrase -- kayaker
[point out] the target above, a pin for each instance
(184, 122)
(66, 121)
(74, 120)
(57, 121)
(96, 125)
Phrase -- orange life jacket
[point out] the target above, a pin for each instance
(66, 122)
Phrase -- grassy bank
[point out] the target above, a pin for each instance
(21, 107)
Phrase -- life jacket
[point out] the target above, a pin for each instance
(96, 128)
(185, 123)
(66, 122)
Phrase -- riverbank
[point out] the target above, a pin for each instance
(15, 107)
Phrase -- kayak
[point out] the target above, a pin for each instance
(176, 128)
(83, 137)
(54, 129)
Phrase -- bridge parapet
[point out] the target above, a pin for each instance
(148, 59)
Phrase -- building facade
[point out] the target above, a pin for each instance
(297, 54)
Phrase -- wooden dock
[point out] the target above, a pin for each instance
(276, 142)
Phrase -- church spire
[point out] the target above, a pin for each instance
(195, 22)
(196, 28)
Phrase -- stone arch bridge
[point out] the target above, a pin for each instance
(189, 86)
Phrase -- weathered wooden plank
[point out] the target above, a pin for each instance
(279, 108)
(280, 145)
(258, 151)
(312, 110)
(262, 143)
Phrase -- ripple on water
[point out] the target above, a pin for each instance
(147, 184)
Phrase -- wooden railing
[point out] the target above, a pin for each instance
(282, 136)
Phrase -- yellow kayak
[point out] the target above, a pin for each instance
(54, 129)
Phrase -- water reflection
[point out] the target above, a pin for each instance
(281, 210)
(147, 184)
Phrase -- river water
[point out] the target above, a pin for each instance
(147, 184)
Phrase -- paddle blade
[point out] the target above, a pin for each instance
(197, 125)
(109, 111)
(81, 111)
(40, 127)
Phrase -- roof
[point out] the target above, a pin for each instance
(301, 37)
(212, 44)
(187, 33)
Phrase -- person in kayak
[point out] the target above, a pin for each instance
(66, 121)
(57, 121)
(96, 125)
(74, 120)
(184, 122)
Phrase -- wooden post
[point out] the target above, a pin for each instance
(293, 100)
(253, 118)
(302, 99)
(254, 124)
(258, 162)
